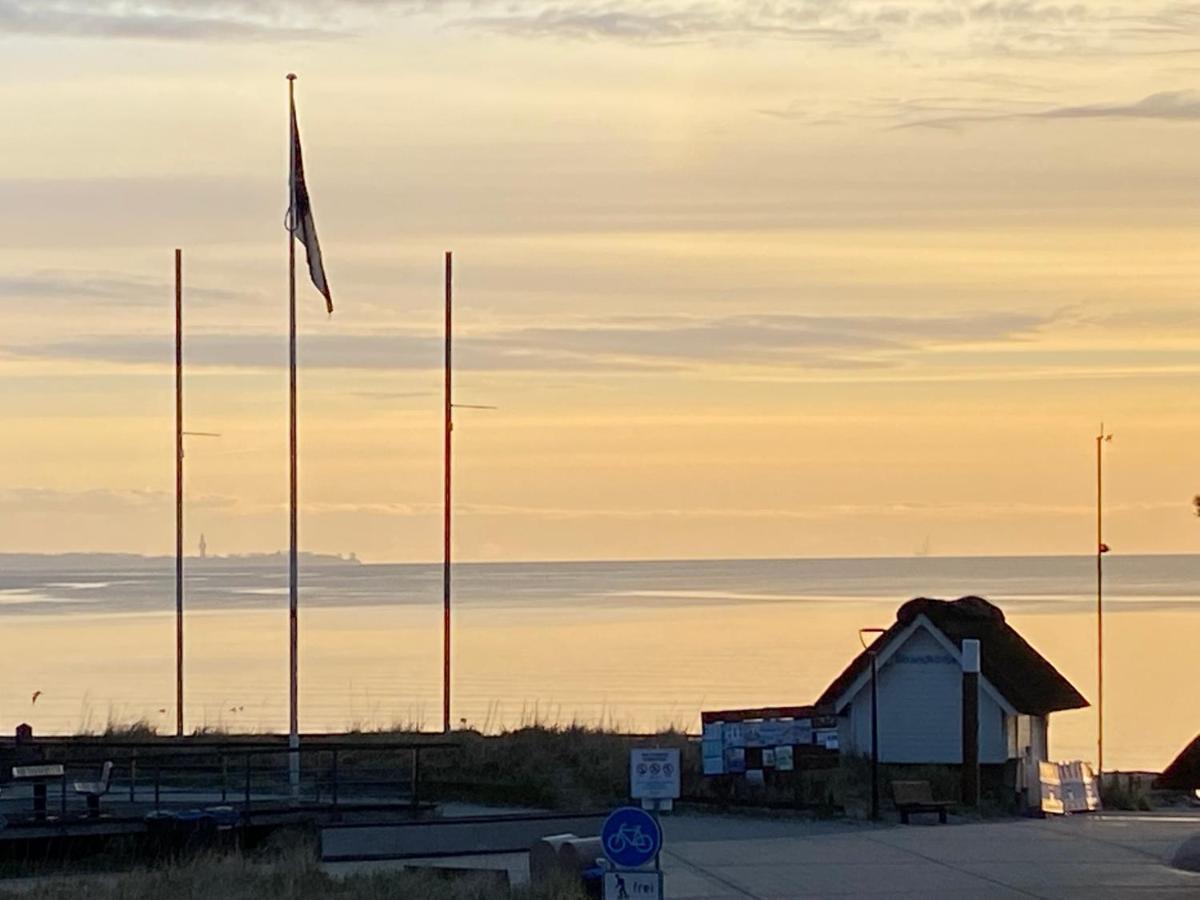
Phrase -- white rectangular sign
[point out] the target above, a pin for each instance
(633, 886)
(654, 774)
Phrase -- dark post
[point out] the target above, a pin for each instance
(1100, 604)
(970, 723)
(179, 492)
(874, 736)
(293, 544)
(449, 427)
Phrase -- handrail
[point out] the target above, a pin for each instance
(307, 742)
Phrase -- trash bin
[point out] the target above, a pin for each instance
(195, 829)
(160, 833)
(593, 881)
(228, 822)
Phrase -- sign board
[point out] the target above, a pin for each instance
(1051, 788)
(633, 885)
(712, 757)
(654, 774)
(630, 837)
(785, 759)
(1079, 792)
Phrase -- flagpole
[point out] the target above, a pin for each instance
(178, 492)
(449, 426)
(293, 564)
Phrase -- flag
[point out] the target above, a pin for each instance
(1104, 548)
(300, 218)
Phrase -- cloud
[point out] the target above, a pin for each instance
(161, 20)
(1165, 106)
(1019, 28)
(630, 344)
(102, 287)
(679, 22)
(98, 502)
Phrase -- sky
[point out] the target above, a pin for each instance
(742, 278)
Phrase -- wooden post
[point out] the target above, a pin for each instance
(970, 722)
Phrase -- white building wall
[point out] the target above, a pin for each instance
(920, 709)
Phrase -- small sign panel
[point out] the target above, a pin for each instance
(633, 885)
(1051, 786)
(785, 759)
(654, 774)
(630, 837)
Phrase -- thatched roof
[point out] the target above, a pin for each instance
(1022, 675)
(1184, 773)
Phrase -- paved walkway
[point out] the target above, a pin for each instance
(1096, 857)
(1093, 857)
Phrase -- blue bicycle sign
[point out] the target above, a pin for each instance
(631, 837)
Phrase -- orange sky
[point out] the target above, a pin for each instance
(850, 278)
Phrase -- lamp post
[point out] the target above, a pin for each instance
(874, 716)
(1101, 548)
(447, 469)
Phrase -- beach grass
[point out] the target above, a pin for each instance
(293, 874)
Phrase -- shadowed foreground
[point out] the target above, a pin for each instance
(294, 875)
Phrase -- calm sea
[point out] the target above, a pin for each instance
(633, 645)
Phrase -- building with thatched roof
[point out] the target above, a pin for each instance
(1184, 773)
(920, 686)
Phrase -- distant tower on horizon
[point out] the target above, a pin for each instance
(203, 547)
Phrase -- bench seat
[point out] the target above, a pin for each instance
(917, 797)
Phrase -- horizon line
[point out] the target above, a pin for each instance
(354, 559)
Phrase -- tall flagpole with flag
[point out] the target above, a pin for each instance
(300, 227)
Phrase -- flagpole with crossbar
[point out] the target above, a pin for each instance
(293, 560)
(178, 492)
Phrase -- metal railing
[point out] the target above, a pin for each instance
(335, 775)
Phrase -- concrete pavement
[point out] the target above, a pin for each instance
(1110, 855)
(1103, 856)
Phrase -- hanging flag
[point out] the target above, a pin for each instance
(300, 218)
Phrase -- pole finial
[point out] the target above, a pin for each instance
(291, 76)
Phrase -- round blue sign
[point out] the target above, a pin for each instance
(631, 837)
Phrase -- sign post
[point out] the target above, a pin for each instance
(631, 838)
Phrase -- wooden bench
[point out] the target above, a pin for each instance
(917, 797)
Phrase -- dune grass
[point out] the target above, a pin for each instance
(292, 873)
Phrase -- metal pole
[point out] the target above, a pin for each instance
(874, 738)
(448, 429)
(178, 492)
(294, 563)
(1100, 603)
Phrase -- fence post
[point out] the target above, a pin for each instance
(133, 776)
(224, 775)
(334, 776)
(416, 776)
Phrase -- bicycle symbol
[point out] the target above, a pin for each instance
(630, 836)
